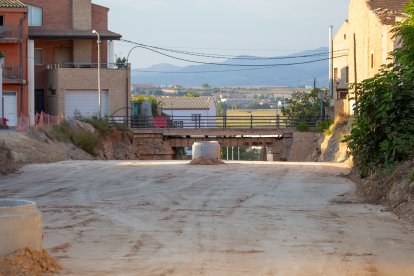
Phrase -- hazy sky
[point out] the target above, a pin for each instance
(254, 27)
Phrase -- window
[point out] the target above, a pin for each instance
(35, 16)
(38, 56)
(1, 20)
(344, 36)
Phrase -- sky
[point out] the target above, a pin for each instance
(231, 27)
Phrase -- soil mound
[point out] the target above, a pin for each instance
(7, 162)
(26, 262)
(206, 161)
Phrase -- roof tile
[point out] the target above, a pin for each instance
(387, 10)
(186, 103)
(11, 4)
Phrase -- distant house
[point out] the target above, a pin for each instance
(367, 39)
(198, 112)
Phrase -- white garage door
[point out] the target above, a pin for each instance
(10, 108)
(85, 103)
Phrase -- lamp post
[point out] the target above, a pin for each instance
(99, 72)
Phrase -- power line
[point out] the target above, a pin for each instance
(229, 57)
(230, 64)
(233, 70)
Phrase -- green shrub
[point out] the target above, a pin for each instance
(302, 126)
(85, 140)
(324, 125)
(63, 132)
(100, 124)
(411, 177)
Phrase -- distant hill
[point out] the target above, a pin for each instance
(291, 76)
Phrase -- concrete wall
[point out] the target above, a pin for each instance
(113, 80)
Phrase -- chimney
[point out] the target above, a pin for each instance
(82, 15)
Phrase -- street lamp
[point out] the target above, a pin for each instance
(99, 72)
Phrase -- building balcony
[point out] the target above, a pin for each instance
(10, 34)
(85, 66)
(12, 74)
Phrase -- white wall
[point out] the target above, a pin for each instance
(205, 122)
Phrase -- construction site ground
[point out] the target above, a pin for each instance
(169, 218)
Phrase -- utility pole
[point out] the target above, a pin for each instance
(331, 69)
(99, 73)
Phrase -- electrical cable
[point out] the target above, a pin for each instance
(230, 64)
(229, 57)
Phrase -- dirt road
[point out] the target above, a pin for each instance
(167, 218)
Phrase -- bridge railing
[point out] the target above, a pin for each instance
(214, 122)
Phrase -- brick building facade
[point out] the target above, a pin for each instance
(66, 55)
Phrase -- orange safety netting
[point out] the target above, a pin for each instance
(41, 120)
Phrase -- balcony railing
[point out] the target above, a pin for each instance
(9, 32)
(12, 73)
(85, 65)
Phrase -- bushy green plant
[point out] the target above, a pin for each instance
(147, 98)
(411, 177)
(302, 126)
(100, 124)
(63, 132)
(85, 140)
(324, 125)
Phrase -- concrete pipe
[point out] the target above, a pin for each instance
(208, 150)
(20, 226)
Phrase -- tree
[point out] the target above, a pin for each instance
(191, 94)
(205, 85)
(221, 109)
(383, 130)
(121, 63)
(305, 105)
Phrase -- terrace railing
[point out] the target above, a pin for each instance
(214, 122)
(12, 72)
(9, 32)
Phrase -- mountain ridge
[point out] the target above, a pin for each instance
(295, 76)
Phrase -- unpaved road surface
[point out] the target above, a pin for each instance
(168, 218)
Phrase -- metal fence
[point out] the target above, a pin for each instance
(10, 32)
(12, 72)
(215, 122)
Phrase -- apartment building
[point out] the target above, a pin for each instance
(14, 99)
(368, 39)
(65, 59)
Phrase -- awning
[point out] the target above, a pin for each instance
(51, 34)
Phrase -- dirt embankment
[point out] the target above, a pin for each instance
(19, 149)
(395, 190)
(49, 145)
(329, 148)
